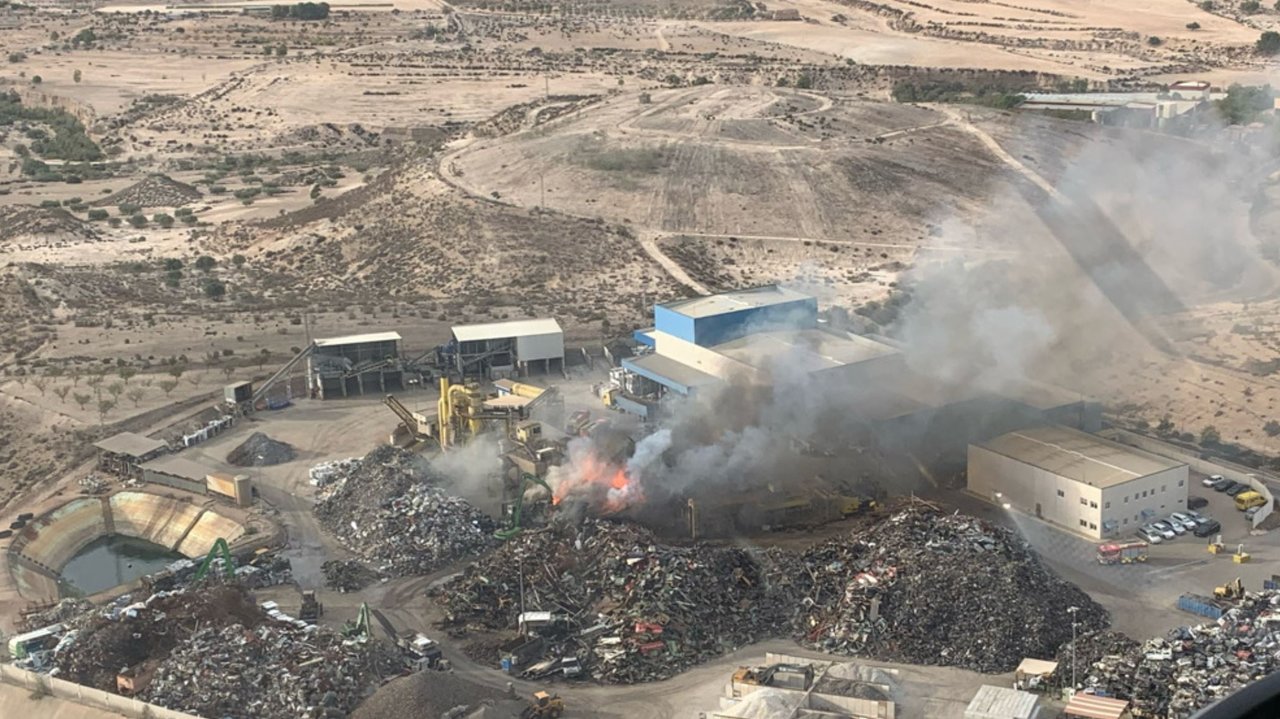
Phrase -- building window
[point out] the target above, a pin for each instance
(1083, 523)
(1093, 504)
(1164, 488)
(1180, 481)
(1092, 525)
(1126, 499)
(1108, 506)
(1061, 493)
(1126, 520)
(1083, 500)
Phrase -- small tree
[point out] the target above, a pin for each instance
(36, 79)
(104, 408)
(162, 219)
(95, 383)
(1268, 43)
(61, 392)
(167, 385)
(281, 50)
(40, 383)
(214, 290)
(81, 399)
(76, 76)
(172, 263)
(1250, 6)
(194, 378)
(1272, 428)
(114, 389)
(228, 370)
(263, 356)
(1209, 435)
(204, 263)
(139, 221)
(238, 261)
(1154, 41)
(1196, 25)
(126, 373)
(135, 395)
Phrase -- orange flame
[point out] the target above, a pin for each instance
(606, 487)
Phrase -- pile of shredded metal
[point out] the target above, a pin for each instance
(387, 508)
(924, 587)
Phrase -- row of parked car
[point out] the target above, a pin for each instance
(1177, 524)
(1229, 487)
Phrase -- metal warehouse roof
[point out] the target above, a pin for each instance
(725, 302)
(1079, 456)
(803, 350)
(657, 368)
(130, 444)
(1001, 703)
(178, 467)
(503, 330)
(358, 339)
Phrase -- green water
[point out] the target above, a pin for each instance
(112, 560)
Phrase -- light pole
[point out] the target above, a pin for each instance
(1072, 611)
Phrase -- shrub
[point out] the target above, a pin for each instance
(138, 220)
(1268, 43)
(162, 219)
(97, 215)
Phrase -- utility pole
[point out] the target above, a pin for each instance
(546, 91)
(542, 192)
(1072, 611)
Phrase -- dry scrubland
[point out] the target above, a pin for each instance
(408, 170)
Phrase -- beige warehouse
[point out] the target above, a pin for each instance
(1078, 481)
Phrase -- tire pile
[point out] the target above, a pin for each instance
(632, 608)
(387, 508)
(924, 587)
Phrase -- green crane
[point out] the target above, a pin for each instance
(513, 529)
(228, 564)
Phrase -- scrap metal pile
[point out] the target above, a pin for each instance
(347, 576)
(259, 450)
(627, 608)
(1193, 667)
(272, 671)
(388, 509)
(210, 650)
(924, 587)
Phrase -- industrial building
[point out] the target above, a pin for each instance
(123, 454)
(182, 473)
(801, 688)
(1078, 481)
(498, 350)
(355, 365)
(746, 335)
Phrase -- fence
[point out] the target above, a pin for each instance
(86, 696)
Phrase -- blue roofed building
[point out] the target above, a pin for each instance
(747, 335)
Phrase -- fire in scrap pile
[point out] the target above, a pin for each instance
(920, 587)
(1191, 667)
(388, 509)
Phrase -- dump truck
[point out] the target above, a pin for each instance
(1122, 552)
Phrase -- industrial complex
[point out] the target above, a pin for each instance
(499, 449)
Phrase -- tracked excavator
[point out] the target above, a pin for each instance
(513, 509)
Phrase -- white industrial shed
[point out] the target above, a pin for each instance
(499, 349)
(1081, 482)
(1002, 703)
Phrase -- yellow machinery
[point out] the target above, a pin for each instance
(1231, 590)
(1216, 546)
(415, 424)
(460, 412)
(1241, 556)
(544, 706)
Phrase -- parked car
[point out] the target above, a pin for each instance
(1165, 530)
(1209, 528)
(1187, 521)
(1149, 534)
(1248, 513)
(1174, 527)
(1222, 485)
(1194, 502)
(1237, 489)
(1212, 480)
